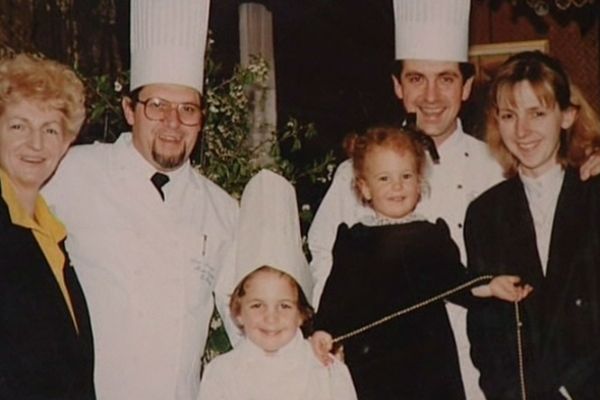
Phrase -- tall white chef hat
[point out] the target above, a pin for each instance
(432, 29)
(269, 230)
(168, 41)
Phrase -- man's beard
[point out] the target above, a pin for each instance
(169, 162)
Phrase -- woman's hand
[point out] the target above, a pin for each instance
(591, 167)
(504, 287)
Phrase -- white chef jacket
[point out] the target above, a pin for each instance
(466, 170)
(293, 373)
(148, 267)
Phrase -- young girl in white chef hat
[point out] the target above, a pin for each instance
(269, 304)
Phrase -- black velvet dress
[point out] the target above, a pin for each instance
(378, 270)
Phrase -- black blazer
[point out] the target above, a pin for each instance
(561, 318)
(42, 356)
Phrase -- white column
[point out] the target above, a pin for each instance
(256, 38)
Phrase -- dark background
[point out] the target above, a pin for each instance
(332, 62)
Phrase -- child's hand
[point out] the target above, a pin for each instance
(504, 287)
(322, 343)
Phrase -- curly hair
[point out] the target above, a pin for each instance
(357, 147)
(44, 81)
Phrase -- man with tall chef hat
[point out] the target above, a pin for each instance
(150, 237)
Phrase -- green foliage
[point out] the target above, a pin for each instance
(226, 156)
(217, 341)
(104, 105)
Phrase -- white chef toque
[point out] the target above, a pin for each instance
(269, 230)
(432, 30)
(168, 41)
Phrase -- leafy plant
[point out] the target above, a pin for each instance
(227, 157)
(105, 119)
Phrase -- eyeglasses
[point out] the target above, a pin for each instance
(157, 109)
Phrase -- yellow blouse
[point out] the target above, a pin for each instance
(47, 230)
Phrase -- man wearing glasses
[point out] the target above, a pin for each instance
(165, 121)
(148, 235)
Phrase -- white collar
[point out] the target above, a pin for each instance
(285, 374)
(289, 351)
(131, 159)
(378, 220)
(453, 141)
(546, 185)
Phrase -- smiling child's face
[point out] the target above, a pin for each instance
(269, 313)
(390, 181)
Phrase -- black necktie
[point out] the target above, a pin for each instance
(159, 180)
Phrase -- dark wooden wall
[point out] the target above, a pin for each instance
(573, 37)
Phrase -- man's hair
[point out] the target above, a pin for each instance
(135, 94)
(467, 70)
(47, 82)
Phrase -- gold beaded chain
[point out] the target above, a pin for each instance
(519, 325)
(412, 308)
(441, 296)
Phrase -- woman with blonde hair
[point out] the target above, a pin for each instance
(542, 224)
(46, 349)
